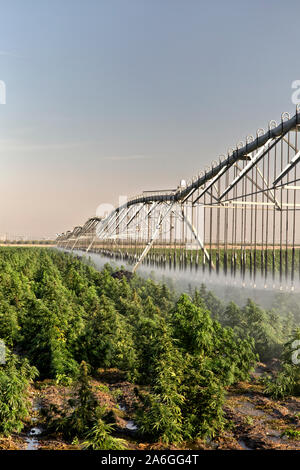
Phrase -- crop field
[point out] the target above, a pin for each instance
(108, 360)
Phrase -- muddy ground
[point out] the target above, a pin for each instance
(254, 421)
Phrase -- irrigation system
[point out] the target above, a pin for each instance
(238, 217)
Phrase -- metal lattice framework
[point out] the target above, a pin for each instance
(239, 215)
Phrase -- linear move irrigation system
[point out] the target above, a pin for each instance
(240, 216)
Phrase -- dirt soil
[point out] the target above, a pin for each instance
(254, 421)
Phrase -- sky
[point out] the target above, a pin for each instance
(107, 98)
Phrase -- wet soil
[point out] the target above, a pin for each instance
(254, 421)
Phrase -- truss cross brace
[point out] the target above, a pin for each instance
(154, 236)
(197, 238)
(258, 156)
(288, 168)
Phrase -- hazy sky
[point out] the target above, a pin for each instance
(111, 97)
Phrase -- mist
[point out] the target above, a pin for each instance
(227, 288)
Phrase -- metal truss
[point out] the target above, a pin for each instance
(238, 216)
